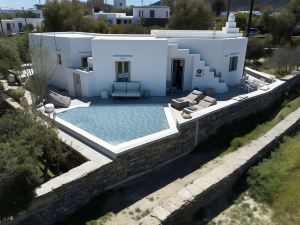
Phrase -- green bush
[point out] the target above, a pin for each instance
(30, 153)
(16, 94)
(1, 86)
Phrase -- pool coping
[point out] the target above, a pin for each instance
(113, 151)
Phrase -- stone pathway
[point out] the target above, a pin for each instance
(159, 205)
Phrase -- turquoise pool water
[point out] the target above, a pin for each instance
(117, 124)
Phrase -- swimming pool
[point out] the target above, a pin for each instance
(117, 124)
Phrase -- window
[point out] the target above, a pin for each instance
(141, 13)
(59, 59)
(84, 62)
(233, 63)
(20, 25)
(129, 21)
(167, 14)
(125, 21)
(8, 26)
(152, 13)
(123, 71)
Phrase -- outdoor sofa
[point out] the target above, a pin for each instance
(204, 103)
(127, 90)
(180, 103)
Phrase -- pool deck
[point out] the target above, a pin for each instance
(174, 117)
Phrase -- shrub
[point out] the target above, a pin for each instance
(29, 152)
(16, 94)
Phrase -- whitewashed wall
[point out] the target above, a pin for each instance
(148, 62)
(217, 53)
(160, 12)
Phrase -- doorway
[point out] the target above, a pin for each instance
(177, 73)
(77, 85)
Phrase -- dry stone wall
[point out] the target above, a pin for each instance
(92, 178)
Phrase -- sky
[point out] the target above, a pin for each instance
(18, 4)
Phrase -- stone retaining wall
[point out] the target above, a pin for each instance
(219, 181)
(66, 193)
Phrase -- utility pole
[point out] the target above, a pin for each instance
(250, 18)
(228, 8)
(24, 16)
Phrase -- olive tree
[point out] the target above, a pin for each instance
(37, 74)
(192, 14)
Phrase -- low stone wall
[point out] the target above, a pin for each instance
(66, 193)
(219, 181)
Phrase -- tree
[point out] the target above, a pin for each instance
(218, 6)
(25, 158)
(192, 14)
(282, 25)
(64, 15)
(9, 56)
(241, 20)
(284, 60)
(255, 49)
(43, 67)
(294, 8)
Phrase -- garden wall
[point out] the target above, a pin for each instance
(66, 193)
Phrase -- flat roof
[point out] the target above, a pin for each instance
(149, 6)
(88, 35)
(127, 38)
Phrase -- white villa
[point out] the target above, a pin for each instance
(166, 59)
(148, 15)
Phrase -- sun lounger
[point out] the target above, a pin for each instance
(204, 103)
(181, 103)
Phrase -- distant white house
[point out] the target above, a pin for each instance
(17, 25)
(116, 18)
(152, 15)
(254, 12)
(148, 15)
(90, 63)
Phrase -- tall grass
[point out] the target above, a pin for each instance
(276, 181)
(232, 136)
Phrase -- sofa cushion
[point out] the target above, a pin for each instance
(120, 86)
(195, 95)
(133, 94)
(133, 86)
(119, 94)
(210, 99)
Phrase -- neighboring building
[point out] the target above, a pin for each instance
(255, 13)
(152, 15)
(89, 63)
(116, 18)
(146, 15)
(38, 13)
(120, 4)
(17, 25)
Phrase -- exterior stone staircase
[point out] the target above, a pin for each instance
(208, 78)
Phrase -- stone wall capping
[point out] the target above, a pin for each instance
(195, 190)
(148, 220)
(185, 195)
(168, 206)
(160, 213)
(70, 176)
